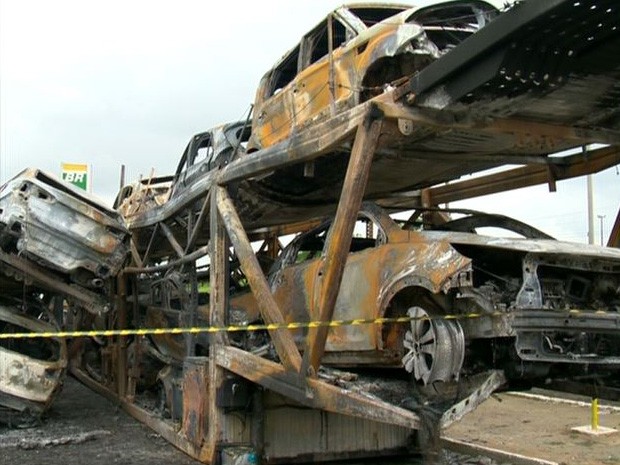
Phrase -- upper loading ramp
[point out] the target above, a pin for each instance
(550, 62)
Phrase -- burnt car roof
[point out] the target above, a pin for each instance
(38, 176)
(400, 12)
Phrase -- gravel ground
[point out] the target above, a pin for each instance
(83, 427)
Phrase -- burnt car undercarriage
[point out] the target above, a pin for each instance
(220, 325)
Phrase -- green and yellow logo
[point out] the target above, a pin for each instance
(77, 174)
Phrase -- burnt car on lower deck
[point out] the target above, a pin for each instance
(531, 305)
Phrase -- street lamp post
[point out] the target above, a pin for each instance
(601, 217)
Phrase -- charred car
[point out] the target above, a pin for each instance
(163, 197)
(529, 305)
(32, 370)
(351, 56)
(67, 233)
(143, 195)
(209, 150)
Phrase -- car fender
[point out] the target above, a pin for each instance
(436, 267)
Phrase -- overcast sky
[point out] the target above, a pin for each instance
(129, 82)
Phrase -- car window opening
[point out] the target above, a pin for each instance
(204, 151)
(318, 40)
(448, 26)
(366, 235)
(372, 16)
(284, 73)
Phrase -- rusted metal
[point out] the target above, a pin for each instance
(142, 195)
(191, 257)
(135, 255)
(195, 173)
(218, 305)
(318, 139)
(270, 311)
(32, 273)
(196, 418)
(614, 236)
(168, 431)
(147, 251)
(372, 47)
(121, 341)
(64, 230)
(330, 55)
(483, 391)
(195, 231)
(173, 242)
(572, 166)
(317, 393)
(338, 241)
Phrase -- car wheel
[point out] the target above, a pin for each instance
(436, 348)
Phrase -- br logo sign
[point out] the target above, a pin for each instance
(77, 174)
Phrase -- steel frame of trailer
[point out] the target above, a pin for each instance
(201, 432)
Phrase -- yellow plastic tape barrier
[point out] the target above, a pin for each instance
(253, 327)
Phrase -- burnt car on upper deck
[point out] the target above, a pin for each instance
(142, 195)
(53, 225)
(351, 55)
(530, 305)
(207, 151)
(152, 200)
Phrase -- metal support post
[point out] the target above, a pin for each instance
(121, 341)
(282, 338)
(340, 234)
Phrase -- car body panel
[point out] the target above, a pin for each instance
(143, 195)
(371, 277)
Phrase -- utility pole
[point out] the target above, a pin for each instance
(590, 189)
(590, 209)
(601, 217)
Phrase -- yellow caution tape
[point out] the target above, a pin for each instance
(251, 327)
(230, 328)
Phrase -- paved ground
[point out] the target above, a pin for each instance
(540, 429)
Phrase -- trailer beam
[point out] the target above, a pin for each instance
(574, 166)
(317, 393)
(614, 236)
(340, 235)
(269, 309)
(218, 305)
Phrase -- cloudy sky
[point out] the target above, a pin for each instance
(129, 82)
